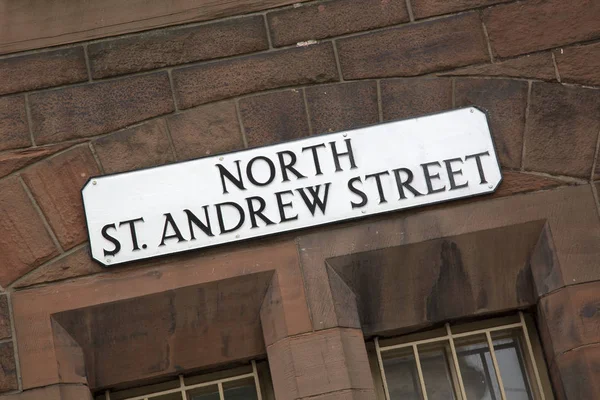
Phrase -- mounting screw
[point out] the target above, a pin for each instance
(491, 186)
(108, 260)
(220, 158)
(237, 236)
(471, 111)
(345, 134)
(94, 182)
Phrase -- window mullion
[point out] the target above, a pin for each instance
(461, 385)
(221, 393)
(256, 380)
(531, 356)
(420, 372)
(495, 362)
(381, 370)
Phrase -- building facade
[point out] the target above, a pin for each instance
(491, 297)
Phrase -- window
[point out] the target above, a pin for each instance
(488, 360)
(240, 383)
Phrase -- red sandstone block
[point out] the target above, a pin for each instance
(407, 98)
(206, 130)
(506, 102)
(143, 146)
(332, 18)
(97, 108)
(342, 106)
(41, 70)
(274, 117)
(172, 46)
(428, 8)
(17, 159)
(24, 241)
(579, 64)
(14, 132)
(525, 26)
(537, 66)
(562, 129)
(77, 263)
(56, 185)
(5, 327)
(8, 368)
(414, 49)
(228, 78)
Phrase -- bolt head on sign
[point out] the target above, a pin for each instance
(288, 186)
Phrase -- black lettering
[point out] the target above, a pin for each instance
(451, 173)
(477, 158)
(316, 200)
(177, 233)
(220, 216)
(204, 227)
(226, 174)
(357, 192)
(257, 213)
(377, 177)
(336, 155)
(250, 174)
(429, 177)
(315, 157)
(111, 239)
(289, 166)
(131, 224)
(282, 206)
(405, 184)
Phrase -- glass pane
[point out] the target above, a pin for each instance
(401, 374)
(512, 367)
(243, 389)
(204, 393)
(477, 368)
(437, 374)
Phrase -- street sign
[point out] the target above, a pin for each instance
(308, 182)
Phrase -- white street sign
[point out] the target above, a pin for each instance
(288, 186)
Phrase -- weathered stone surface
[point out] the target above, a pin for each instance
(428, 8)
(56, 185)
(274, 117)
(24, 241)
(5, 326)
(142, 146)
(524, 27)
(342, 106)
(206, 130)
(320, 363)
(579, 64)
(562, 129)
(212, 282)
(55, 392)
(97, 108)
(17, 159)
(506, 102)
(414, 49)
(14, 132)
(228, 78)
(516, 182)
(537, 66)
(40, 70)
(172, 46)
(578, 372)
(8, 368)
(572, 316)
(407, 98)
(71, 265)
(332, 18)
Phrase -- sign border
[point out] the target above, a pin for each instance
(269, 235)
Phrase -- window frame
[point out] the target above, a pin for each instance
(183, 389)
(532, 355)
